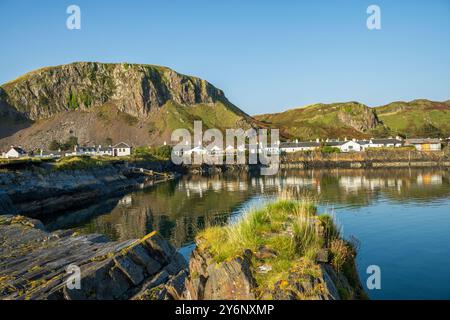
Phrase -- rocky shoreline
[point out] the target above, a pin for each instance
(40, 192)
(33, 260)
(34, 264)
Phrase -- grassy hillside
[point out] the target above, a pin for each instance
(349, 119)
(417, 118)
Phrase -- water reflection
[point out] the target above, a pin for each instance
(401, 217)
(179, 209)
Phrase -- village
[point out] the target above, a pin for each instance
(123, 149)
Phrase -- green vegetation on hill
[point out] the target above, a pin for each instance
(350, 119)
(417, 118)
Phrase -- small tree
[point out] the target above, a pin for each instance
(54, 145)
(70, 143)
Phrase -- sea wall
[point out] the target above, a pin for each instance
(372, 158)
(317, 164)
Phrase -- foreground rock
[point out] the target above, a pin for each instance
(235, 280)
(282, 251)
(34, 264)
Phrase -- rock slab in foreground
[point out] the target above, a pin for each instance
(33, 264)
(234, 279)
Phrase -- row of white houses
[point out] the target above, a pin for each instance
(296, 146)
(119, 150)
(123, 149)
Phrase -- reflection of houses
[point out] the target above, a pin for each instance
(15, 152)
(429, 179)
(424, 144)
(126, 201)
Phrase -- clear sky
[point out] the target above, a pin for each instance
(266, 55)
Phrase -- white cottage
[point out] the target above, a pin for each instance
(15, 152)
(349, 146)
(121, 150)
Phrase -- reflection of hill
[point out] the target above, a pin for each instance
(179, 209)
(360, 187)
(176, 209)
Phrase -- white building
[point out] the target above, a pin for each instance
(381, 143)
(121, 150)
(350, 146)
(425, 144)
(15, 152)
(289, 147)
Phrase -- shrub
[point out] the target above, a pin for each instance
(340, 253)
(329, 149)
(79, 163)
(158, 153)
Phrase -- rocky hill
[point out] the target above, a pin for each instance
(350, 119)
(417, 118)
(99, 103)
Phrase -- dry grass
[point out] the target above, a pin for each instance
(289, 226)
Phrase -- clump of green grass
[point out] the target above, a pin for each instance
(289, 227)
(152, 153)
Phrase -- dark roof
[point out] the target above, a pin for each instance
(386, 141)
(336, 143)
(299, 144)
(420, 141)
(121, 145)
(19, 150)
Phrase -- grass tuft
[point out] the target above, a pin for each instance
(290, 228)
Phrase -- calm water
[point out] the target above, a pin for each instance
(400, 217)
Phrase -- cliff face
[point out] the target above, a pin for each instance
(102, 103)
(135, 89)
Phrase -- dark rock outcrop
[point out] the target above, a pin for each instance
(38, 193)
(34, 263)
(235, 279)
(6, 205)
(229, 280)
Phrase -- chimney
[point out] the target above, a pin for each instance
(353, 139)
(296, 140)
(345, 138)
(317, 140)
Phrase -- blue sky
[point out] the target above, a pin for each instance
(267, 56)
